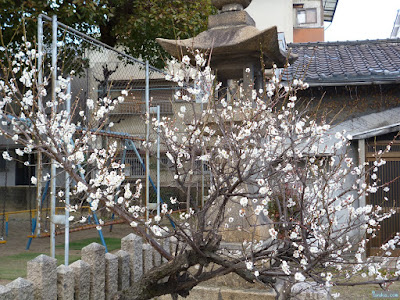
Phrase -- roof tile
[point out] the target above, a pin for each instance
(349, 61)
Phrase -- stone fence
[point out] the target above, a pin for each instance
(98, 275)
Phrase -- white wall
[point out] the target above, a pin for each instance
(268, 13)
(309, 4)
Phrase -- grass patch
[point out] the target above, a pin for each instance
(112, 243)
(14, 266)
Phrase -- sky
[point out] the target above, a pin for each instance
(362, 19)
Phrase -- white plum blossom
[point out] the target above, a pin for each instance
(249, 265)
(285, 268)
(244, 201)
(7, 156)
(299, 277)
(273, 233)
(89, 103)
(237, 164)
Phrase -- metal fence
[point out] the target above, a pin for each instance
(96, 71)
(100, 70)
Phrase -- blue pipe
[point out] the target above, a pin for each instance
(96, 220)
(100, 232)
(116, 196)
(33, 232)
(132, 144)
(46, 188)
(34, 220)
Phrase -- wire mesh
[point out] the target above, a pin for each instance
(98, 71)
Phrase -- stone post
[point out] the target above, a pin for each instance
(111, 275)
(81, 271)
(42, 271)
(6, 293)
(174, 245)
(157, 258)
(167, 247)
(148, 257)
(133, 244)
(21, 289)
(94, 255)
(65, 283)
(123, 270)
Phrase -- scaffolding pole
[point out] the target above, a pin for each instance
(147, 96)
(53, 165)
(67, 185)
(39, 154)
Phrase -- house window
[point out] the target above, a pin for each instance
(166, 164)
(199, 164)
(134, 168)
(307, 16)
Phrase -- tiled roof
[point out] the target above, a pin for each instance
(341, 63)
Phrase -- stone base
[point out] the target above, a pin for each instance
(215, 293)
(231, 18)
(309, 291)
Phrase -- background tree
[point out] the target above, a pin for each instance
(131, 24)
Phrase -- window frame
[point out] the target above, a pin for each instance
(306, 13)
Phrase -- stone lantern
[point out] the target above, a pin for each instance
(237, 50)
(235, 43)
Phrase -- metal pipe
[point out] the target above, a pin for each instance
(67, 184)
(98, 43)
(158, 161)
(53, 165)
(147, 98)
(39, 154)
(120, 135)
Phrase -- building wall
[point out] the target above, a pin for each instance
(16, 198)
(268, 13)
(343, 103)
(308, 32)
(308, 35)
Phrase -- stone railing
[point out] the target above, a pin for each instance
(98, 275)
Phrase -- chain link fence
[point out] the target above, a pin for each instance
(99, 71)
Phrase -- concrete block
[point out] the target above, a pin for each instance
(167, 247)
(65, 283)
(81, 271)
(133, 244)
(42, 272)
(111, 275)
(123, 270)
(94, 255)
(6, 293)
(22, 289)
(147, 257)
